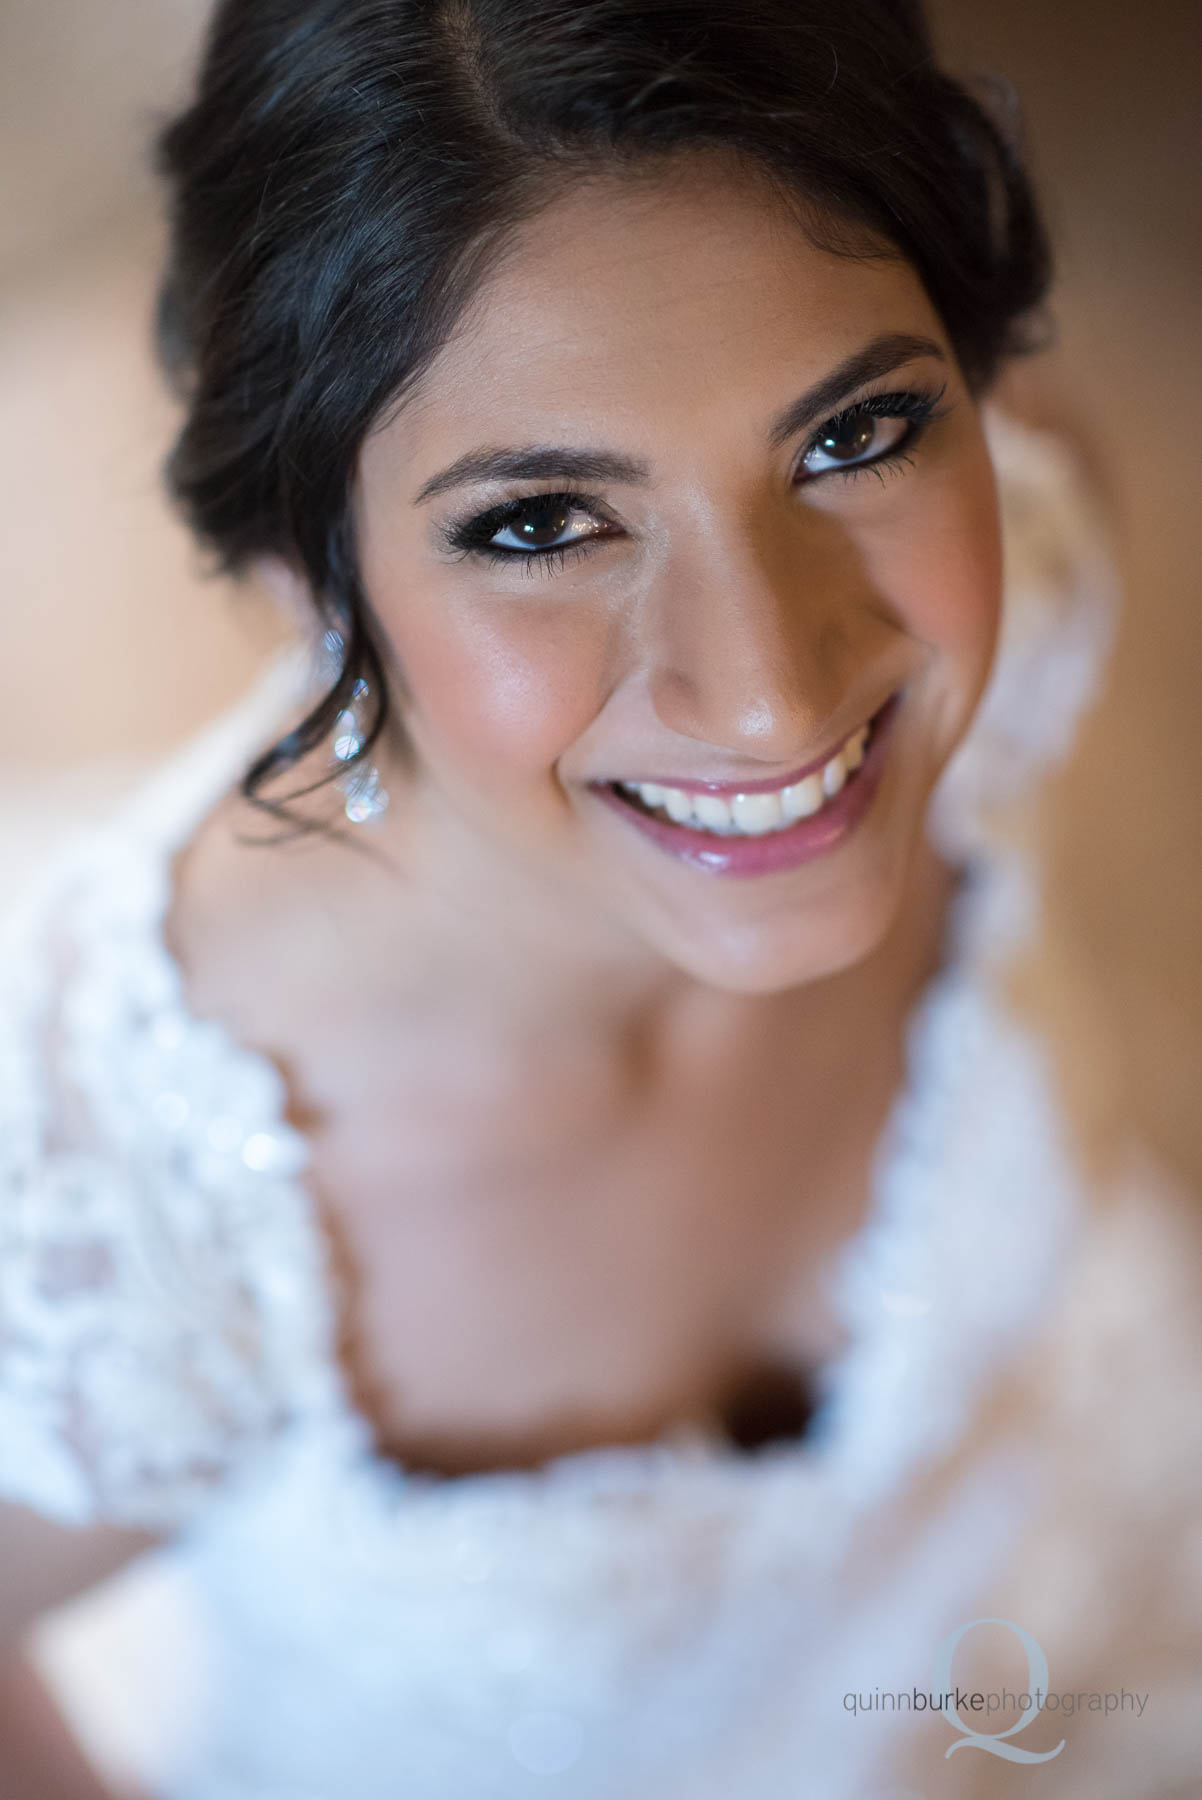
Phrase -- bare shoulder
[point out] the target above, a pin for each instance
(44, 1563)
(278, 942)
(253, 923)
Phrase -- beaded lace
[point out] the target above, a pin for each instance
(168, 1315)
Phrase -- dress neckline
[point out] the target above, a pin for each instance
(881, 1299)
(932, 1293)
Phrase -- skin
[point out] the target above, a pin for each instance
(589, 1121)
(536, 954)
(733, 624)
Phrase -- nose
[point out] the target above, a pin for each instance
(756, 642)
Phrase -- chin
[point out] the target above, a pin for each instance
(770, 956)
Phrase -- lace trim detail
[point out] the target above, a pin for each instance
(166, 1297)
(155, 1268)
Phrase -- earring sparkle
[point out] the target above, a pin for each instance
(366, 799)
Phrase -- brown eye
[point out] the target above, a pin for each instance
(855, 438)
(540, 524)
(850, 441)
(533, 531)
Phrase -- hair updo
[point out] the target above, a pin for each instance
(350, 170)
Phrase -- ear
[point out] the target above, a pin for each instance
(288, 589)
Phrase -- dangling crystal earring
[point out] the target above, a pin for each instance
(365, 798)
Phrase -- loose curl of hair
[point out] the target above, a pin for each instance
(350, 171)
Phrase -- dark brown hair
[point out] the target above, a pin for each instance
(350, 169)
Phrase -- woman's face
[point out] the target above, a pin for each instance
(687, 501)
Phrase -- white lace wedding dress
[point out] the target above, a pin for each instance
(675, 1621)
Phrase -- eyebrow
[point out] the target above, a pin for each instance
(536, 462)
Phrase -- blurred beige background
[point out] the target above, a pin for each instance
(115, 645)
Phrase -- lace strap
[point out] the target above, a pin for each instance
(160, 1293)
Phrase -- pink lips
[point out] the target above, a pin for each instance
(764, 786)
(773, 851)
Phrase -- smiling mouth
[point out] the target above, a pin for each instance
(759, 813)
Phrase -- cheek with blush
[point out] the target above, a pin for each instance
(952, 593)
(497, 696)
(944, 575)
(967, 601)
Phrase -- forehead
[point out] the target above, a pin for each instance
(628, 298)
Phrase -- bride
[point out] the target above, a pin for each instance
(556, 1243)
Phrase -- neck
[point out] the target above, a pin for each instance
(489, 947)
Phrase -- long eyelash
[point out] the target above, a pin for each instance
(922, 410)
(538, 562)
(472, 537)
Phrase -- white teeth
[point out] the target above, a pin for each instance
(752, 815)
(756, 813)
(834, 774)
(803, 798)
(713, 812)
(853, 749)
